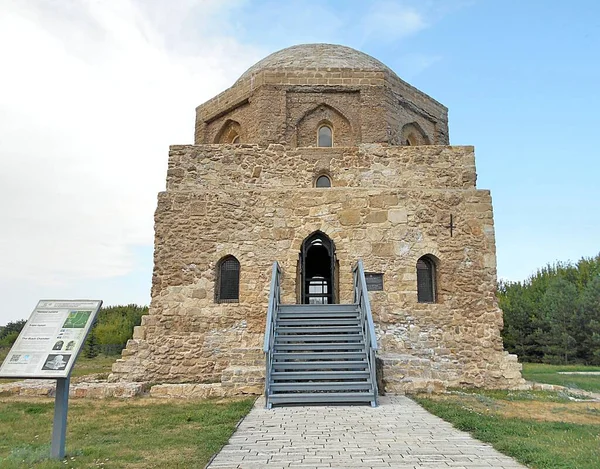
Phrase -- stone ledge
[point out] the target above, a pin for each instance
(201, 391)
(414, 386)
(531, 386)
(90, 390)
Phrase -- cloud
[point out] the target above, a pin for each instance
(391, 21)
(91, 95)
(413, 64)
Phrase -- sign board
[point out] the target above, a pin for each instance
(374, 281)
(51, 340)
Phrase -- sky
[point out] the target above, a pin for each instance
(93, 92)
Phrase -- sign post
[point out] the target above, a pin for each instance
(47, 348)
(59, 427)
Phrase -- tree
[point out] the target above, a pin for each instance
(90, 348)
(589, 323)
(560, 306)
(554, 315)
(10, 332)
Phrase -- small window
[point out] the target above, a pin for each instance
(323, 181)
(236, 139)
(325, 136)
(227, 286)
(425, 280)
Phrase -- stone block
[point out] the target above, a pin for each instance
(398, 216)
(349, 217)
(380, 216)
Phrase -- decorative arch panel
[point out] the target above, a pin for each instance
(323, 115)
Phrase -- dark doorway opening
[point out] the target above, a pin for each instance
(317, 267)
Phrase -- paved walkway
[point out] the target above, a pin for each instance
(398, 434)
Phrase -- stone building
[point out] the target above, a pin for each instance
(318, 156)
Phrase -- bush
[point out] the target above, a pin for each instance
(113, 328)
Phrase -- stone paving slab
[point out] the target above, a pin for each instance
(399, 434)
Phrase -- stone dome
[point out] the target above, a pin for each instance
(317, 56)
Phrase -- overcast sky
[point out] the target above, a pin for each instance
(92, 93)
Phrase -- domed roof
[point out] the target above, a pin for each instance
(317, 56)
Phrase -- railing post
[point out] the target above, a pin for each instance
(361, 297)
(272, 310)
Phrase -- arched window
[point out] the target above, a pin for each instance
(230, 132)
(425, 280)
(227, 286)
(323, 181)
(412, 134)
(325, 136)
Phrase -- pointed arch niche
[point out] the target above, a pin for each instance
(412, 135)
(229, 133)
(324, 116)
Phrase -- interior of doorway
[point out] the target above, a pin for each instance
(317, 268)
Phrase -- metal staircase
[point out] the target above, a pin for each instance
(320, 353)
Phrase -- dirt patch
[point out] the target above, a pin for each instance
(569, 412)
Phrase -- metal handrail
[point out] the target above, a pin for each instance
(272, 311)
(361, 298)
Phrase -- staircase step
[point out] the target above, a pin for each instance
(323, 308)
(322, 329)
(319, 356)
(322, 386)
(300, 338)
(321, 365)
(320, 397)
(316, 375)
(320, 346)
(317, 314)
(313, 322)
(279, 356)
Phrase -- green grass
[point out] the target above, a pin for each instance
(87, 366)
(538, 444)
(138, 433)
(542, 373)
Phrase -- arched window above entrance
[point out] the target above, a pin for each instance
(325, 136)
(323, 181)
(227, 286)
(426, 280)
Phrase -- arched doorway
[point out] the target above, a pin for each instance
(317, 270)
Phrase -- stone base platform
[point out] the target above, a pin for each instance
(102, 389)
(91, 390)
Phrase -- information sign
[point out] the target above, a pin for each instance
(50, 341)
(374, 281)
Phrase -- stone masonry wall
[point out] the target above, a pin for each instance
(249, 166)
(389, 206)
(264, 106)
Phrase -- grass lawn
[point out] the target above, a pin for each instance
(542, 373)
(542, 430)
(100, 364)
(133, 433)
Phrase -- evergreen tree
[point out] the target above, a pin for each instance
(554, 316)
